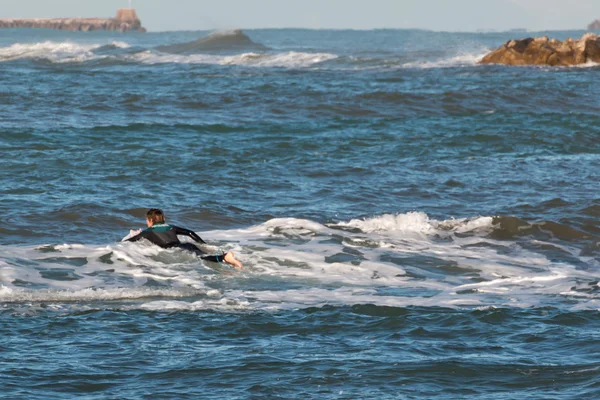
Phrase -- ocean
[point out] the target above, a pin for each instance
(413, 225)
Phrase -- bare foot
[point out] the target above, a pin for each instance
(230, 258)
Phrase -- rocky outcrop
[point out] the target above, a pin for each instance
(594, 26)
(544, 51)
(126, 20)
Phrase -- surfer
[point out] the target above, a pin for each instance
(164, 235)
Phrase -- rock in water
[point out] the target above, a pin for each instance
(594, 26)
(544, 51)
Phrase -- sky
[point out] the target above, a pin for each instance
(439, 15)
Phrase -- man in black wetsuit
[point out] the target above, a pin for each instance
(164, 235)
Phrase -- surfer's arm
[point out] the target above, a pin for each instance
(187, 232)
(137, 237)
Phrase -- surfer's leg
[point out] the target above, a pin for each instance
(216, 259)
(227, 257)
(190, 247)
(230, 258)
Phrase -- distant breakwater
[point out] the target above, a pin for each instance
(125, 20)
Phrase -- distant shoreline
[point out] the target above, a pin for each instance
(125, 20)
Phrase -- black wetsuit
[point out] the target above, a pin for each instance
(165, 236)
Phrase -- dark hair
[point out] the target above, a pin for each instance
(156, 216)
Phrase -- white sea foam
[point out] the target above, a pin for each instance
(412, 222)
(49, 50)
(121, 45)
(285, 60)
(398, 260)
(589, 64)
(90, 294)
(418, 223)
(71, 52)
(459, 60)
(57, 52)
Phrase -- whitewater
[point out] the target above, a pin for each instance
(439, 263)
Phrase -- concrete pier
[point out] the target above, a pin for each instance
(126, 20)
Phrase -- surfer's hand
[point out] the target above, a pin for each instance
(134, 232)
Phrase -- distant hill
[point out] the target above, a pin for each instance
(594, 26)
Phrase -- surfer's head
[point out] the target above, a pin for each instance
(155, 216)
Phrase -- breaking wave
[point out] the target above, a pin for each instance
(460, 60)
(60, 52)
(234, 40)
(419, 222)
(288, 59)
(398, 260)
(119, 52)
(221, 48)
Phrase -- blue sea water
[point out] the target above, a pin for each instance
(412, 224)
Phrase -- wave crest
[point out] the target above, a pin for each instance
(285, 60)
(418, 223)
(233, 40)
(119, 52)
(58, 51)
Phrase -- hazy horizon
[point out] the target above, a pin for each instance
(437, 15)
